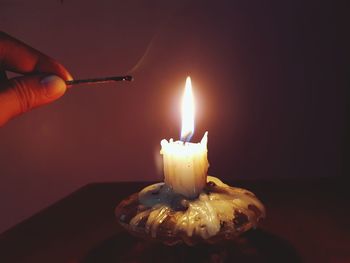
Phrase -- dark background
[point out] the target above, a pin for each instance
(270, 80)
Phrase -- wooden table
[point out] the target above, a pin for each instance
(306, 222)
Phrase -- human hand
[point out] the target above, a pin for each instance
(43, 79)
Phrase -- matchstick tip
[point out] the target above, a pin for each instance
(128, 78)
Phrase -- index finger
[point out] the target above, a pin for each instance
(18, 57)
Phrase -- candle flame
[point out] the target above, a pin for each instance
(187, 111)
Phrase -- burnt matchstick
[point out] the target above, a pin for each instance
(99, 80)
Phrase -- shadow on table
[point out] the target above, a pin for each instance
(256, 246)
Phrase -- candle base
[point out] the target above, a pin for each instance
(219, 213)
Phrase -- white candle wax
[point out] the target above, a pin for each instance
(185, 166)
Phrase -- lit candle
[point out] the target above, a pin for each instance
(185, 163)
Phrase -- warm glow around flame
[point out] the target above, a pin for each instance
(187, 111)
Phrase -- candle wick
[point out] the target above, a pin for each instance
(186, 138)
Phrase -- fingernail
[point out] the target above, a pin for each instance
(54, 86)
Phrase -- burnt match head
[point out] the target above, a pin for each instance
(128, 78)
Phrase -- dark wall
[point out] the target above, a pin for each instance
(269, 79)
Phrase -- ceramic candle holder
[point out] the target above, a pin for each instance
(220, 212)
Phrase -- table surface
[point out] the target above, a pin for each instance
(306, 222)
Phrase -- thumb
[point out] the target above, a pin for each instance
(19, 95)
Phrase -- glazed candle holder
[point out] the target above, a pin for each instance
(220, 212)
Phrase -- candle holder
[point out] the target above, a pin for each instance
(220, 212)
